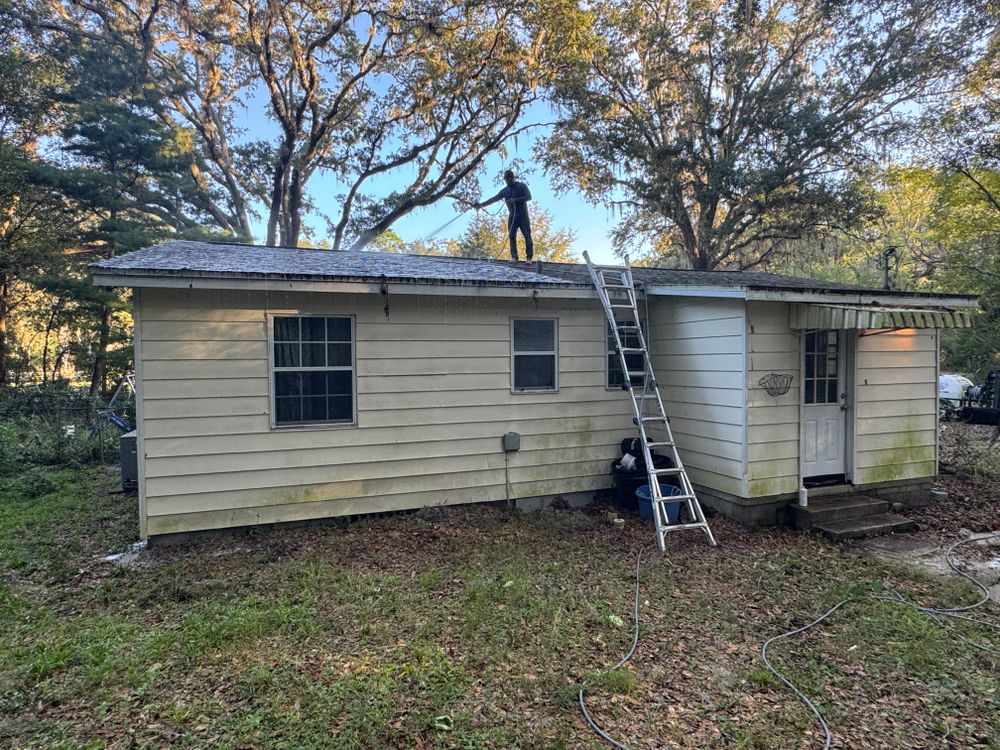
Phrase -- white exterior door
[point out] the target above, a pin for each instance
(824, 403)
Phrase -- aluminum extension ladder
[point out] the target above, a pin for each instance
(616, 290)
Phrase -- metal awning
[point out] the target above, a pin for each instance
(805, 315)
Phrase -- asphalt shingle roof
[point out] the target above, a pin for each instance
(192, 258)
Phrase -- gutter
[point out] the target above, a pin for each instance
(289, 284)
(183, 279)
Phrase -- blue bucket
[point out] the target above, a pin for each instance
(646, 502)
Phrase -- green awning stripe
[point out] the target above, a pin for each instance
(805, 315)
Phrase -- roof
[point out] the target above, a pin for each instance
(186, 259)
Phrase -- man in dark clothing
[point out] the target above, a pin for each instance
(516, 195)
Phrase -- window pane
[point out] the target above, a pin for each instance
(810, 366)
(313, 382)
(286, 329)
(340, 408)
(535, 371)
(288, 409)
(314, 329)
(820, 366)
(810, 386)
(314, 409)
(287, 384)
(534, 335)
(810, 343)
(338, 329)
(286, 355)
(831, 391)
(338, 355)
(339, 383)
(615, 377)
(313, 355)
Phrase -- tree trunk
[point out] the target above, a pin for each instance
(279, 195)
(101, 358)
(4, 299)
(294, 208)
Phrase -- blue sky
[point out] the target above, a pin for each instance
(590, 224)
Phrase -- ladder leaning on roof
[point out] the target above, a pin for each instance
(616, 290)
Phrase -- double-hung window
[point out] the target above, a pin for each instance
(534, 354)
(313, 370)
(635, 360)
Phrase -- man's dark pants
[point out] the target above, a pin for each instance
(515, 221)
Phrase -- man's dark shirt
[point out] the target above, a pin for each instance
(516, 196)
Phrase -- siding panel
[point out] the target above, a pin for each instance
(773, 432)
(896, 406)
(697, 351)
(434, 398)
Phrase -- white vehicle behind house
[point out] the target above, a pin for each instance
(951, 391)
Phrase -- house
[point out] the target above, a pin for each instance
(280, 384)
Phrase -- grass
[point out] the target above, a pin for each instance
(471, 628)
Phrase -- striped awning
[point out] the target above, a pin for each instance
(806, 315)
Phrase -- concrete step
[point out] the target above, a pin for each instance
(862, 528)
(836, 509)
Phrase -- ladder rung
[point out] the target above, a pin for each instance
(627, 349)
(652, 419)
(627, 326)
(636, 373)
(682, 526)
(622, 307)
(667, 472)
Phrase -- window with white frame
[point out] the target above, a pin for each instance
(534, 354)
(636, 361)
(313, 370)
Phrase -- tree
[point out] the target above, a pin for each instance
(119, 172)
(367, 90)
(728, 128)
(486, 238)
(34, 221)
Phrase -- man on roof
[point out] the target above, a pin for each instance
(516, 195)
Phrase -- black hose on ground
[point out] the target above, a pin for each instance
(934, 613)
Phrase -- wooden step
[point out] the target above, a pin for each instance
(867, 526)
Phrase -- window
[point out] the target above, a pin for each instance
(822, 354)
(635, 360)
(534, 348)
(313, 370)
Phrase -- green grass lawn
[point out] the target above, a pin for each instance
(465, 628)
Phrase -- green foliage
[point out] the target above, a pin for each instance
(722, 129)
(486, 237)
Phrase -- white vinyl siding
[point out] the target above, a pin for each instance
(896, 408)
(433, 400)
(697, 348)
(772, 421)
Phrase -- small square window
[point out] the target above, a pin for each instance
(313, 370)
(534, 354)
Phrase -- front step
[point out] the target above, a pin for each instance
(826, 510)
(866, 526)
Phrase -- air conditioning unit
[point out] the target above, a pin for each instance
(130, 462)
